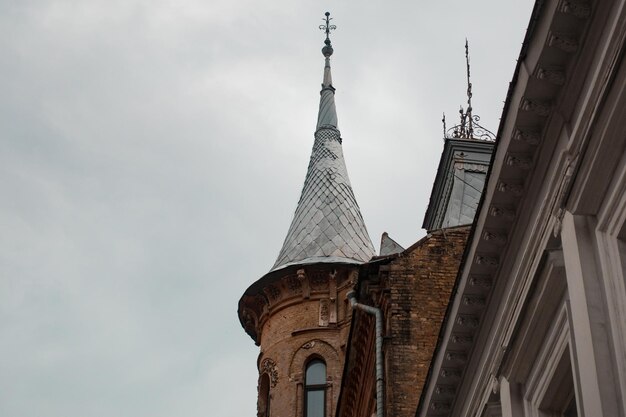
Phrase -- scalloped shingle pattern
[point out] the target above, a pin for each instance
(327, 222)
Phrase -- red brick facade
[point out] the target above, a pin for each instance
(297, 315)
(413, 290)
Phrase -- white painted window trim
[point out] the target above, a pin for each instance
(556, 344)
(611, 221)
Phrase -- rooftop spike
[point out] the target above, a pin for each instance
(468, 127)
(327, 226)
(327, 115)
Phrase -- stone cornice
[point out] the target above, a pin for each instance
(317, 282)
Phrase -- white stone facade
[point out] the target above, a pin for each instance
(547, 256)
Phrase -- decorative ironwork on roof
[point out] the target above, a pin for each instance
(468, 128)
(327, 225)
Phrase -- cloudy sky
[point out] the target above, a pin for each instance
(151, 156)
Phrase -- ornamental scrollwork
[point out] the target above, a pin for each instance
(268, 366)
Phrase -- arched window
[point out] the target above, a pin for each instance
(315, 389)
(264, 396)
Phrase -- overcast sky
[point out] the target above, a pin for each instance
(152, 153)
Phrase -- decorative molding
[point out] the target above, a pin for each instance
(304, 283)
(539, 107)
(578, 8)
(319, 280)
(456, 356)
(553, 76)
(474, 300)
(565, 42)
(445, 390)
(261, 302)
(482, 281)
(450, 373)
(521, 161)
(462, 339)
(527, 135)
(324, 312)
(440, 406)
(510, 187)
(293, 284)
(467, 320)
(268, 366)
(501, 211)
(499, 238)
(487, 260)
(272, 292)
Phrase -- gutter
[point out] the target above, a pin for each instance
(380, 399)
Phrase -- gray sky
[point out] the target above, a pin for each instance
(152, 154)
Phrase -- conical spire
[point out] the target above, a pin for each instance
(327, 225)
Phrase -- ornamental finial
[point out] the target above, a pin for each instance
(469, 85)
(327, 50)
(469, 127)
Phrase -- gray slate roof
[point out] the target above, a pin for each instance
(388, 246)
(327, 225)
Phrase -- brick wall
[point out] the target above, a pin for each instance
(413, 290)
(299, 323)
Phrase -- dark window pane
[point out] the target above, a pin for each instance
(315, 403)
(315, 373)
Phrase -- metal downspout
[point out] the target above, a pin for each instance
(380, 399)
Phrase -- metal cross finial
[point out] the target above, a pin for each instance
(327, 27)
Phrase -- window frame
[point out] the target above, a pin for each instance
(315, 387)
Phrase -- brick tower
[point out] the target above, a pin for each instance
(297, 313)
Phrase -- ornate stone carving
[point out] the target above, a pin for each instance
(539, 107)
(553, 76)
(304, 283)
(467, 320)
(501, 211)
(462, 339)
(510, 187)
(579, 8)
(519, 161)
(529, 136)
(332, 294)
(482, 281)
(565, 42)
(268, 366)
(487, 260)
(474, 300)
(324, 312)
(309, 345)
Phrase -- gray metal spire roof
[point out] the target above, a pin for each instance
(327, 225)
